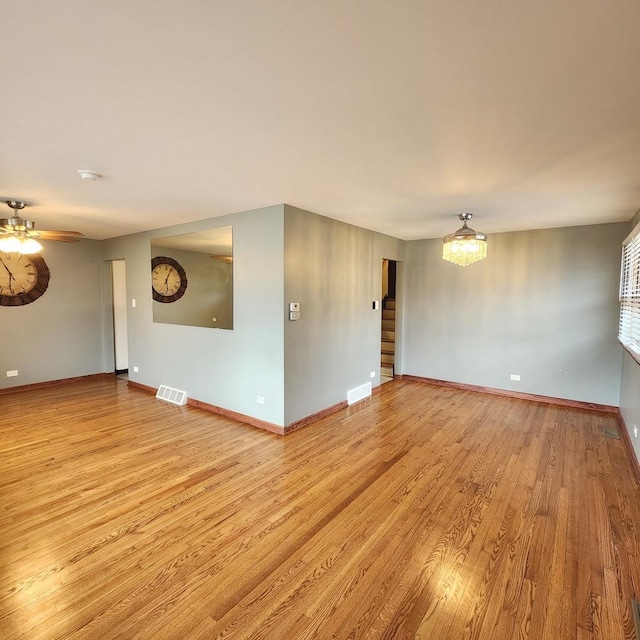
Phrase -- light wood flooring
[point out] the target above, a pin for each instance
(422, 512)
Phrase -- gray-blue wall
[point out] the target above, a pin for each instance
(225, 368)
(334, 270)
(59, 335)
(630, 399)
(544, 306)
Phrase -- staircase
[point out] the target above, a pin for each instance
(388, 339)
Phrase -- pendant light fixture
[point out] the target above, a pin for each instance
(466, 245)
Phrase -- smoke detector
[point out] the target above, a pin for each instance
(87, 174)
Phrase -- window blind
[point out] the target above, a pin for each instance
(629, 333)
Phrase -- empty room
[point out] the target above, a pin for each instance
(320, 320)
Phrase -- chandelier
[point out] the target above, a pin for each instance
(465, 246)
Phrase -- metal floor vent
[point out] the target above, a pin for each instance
(174, 396)
(359, 393)
(635, 605)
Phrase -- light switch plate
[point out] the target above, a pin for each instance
(294, 315)
(294, 306)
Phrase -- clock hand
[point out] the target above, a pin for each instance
(11, 277)
(7, 268)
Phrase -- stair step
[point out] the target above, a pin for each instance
(387, 358)
(388, 314)
(388, 325)
(387, 347)
(389, 304)
(389, 336)
(386, 370)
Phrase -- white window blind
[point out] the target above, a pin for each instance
(629, 334)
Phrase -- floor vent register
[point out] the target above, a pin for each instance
(175, 396)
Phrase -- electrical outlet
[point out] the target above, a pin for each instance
(12, 374)
(373, 374)
(135, 369)
(133, 302)
(260, 399)
(515, 376)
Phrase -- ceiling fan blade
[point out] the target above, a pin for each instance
(59, 238)
(53, 235)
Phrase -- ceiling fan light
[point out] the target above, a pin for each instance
(10, 244)
(29, 246)
(26, 246)
(465, 246)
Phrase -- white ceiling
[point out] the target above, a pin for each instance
(394, 115)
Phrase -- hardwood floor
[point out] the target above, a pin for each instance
(422, 512)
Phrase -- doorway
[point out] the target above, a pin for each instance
(119, 303)
(388, 327)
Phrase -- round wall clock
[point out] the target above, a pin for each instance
(168, 279)
(23, 278)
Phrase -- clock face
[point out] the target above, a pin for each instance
(23, 279)
(168, 279)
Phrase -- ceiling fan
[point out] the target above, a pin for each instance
(222, 258)
(20, 235)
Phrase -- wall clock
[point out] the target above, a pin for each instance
(23, 278)
(168, 279)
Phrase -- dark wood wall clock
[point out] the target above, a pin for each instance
(168, 279)
(23, 278)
